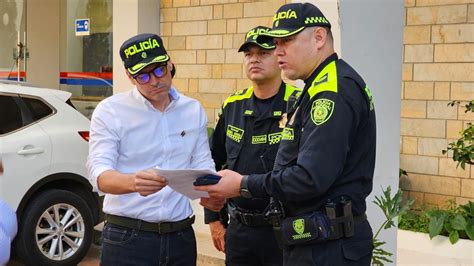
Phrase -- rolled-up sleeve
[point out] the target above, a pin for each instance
(103, 144)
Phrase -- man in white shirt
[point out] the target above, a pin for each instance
(152, 125)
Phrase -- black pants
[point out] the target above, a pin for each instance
(245, 245)
(354, 251)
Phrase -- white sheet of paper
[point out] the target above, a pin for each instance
(182, 180)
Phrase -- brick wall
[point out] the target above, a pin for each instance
(438, 67)
(202, 38)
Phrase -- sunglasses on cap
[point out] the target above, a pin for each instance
(144, 77)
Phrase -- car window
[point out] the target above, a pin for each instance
(10, 114)
(70, 103)
(37, 108)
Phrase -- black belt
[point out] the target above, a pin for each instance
(249, 218)
(160, 228)
(344, 226)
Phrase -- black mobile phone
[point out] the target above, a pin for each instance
(207, 180)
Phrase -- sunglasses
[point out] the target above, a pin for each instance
(144, 77)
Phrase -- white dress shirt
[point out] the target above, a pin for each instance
(128, 134)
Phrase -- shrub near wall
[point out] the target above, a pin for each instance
(438, 67)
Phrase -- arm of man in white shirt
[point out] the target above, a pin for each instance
(143, 182)
(103, 153)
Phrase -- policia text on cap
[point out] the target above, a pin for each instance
(325, 163)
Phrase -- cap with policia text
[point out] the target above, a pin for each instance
(141, 51)
(251, 38)
(293, 18)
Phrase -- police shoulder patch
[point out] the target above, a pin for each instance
(321, 110)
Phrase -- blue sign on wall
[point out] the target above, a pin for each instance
(82, 27)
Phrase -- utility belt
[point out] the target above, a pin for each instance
(246, 217)
(160, 228)
(316, 226)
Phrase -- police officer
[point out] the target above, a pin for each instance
(246, 140)
(325, 162)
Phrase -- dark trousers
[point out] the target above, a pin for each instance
(356, 250)
(245, 245)
(124, 246)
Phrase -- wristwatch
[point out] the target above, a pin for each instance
(244, 188)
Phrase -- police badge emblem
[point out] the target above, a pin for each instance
(298, 226)
(321, 111)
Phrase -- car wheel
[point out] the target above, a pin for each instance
(55, 229)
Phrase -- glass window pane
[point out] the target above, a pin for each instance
(86, 60)
(10, 115)
(38, 108)
(12, 31)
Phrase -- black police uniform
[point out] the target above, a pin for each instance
(246, 140)
(327, 152)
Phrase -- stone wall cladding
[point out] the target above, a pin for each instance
(438, 67)
(202, 37)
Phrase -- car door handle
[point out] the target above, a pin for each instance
(30, 151)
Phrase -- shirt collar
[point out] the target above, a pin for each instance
(250, 109)
(173, 93)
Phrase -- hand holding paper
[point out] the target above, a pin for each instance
(182, 180)
(148, 182)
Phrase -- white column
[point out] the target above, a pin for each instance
(372, 43)
(43, 42)
(131, 17)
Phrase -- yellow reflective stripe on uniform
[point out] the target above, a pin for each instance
(289, 91)
(238, 97)
(325, 81)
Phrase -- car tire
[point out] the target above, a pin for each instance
(41, 229)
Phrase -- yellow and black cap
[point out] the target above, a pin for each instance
(141, 51)
(293, 18)
(251, 39)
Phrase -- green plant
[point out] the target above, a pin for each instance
(391, 208)
(412, 220)
(455, 222)
(463, 148)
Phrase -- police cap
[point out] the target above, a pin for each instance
(141, 51)
(251, 39)
(293, 18)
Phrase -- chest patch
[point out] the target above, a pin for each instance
(321, 111)
(234, 133)
(287, 134)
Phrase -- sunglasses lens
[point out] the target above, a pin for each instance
(143, 78)
(159, 71)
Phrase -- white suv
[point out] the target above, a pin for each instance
(43, 146)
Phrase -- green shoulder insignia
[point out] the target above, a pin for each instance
(291, 90)
(371, 98)
(239, 95)
(321, 111)
(325, 81)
